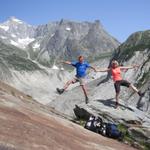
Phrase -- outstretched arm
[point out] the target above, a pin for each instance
(103, 70)
(129, 67)
(93, 68)
(66, 62)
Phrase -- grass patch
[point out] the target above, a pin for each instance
(128, 52)
(144, 79)
(19, 63)
(145, 145)
(80, 121)
(128, 138)
(29, 96)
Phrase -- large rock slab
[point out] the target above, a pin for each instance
(26, 124)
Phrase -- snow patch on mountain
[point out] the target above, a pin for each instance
(14, 43)
(36, 45)
(3, 37)
(61, 68)
(6, 28)
(52, 35)
(13, 35)
(55, 67)
(16, 20)
(24, 42)
(68, 29)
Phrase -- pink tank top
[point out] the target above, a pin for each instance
(116, 74)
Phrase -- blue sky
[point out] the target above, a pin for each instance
(119, 17)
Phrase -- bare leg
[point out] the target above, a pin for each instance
(117, 99)
(84, 90)
(85, 93)
(60, 91)
(134, 88)
(67, 84)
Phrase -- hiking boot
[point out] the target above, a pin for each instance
(140, 94)
(86, 100)
(60, 91)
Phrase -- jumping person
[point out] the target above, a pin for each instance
(118, 81)
(81, 67)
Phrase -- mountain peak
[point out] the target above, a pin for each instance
(14, 19)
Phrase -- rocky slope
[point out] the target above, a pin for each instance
(132, 109)
(26, 124)
(29, 76)
(140, 76)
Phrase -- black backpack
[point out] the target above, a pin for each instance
(97, 125)
(93, 123)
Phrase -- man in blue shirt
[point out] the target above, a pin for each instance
(81, 67)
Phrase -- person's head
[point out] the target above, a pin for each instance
(81, 59)
(114, 64)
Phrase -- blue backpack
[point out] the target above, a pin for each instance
(112, 131)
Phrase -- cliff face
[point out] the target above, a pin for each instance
(136, 50)
(68, 39)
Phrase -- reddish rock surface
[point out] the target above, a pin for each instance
(28, 125)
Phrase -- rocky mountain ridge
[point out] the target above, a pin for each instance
(31, 61)
(58, 40)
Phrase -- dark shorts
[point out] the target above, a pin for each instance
(117, 85)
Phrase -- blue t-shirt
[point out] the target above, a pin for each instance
(80, 68)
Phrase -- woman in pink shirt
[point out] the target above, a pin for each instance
(117, 78)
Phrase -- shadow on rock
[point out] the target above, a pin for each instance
(103, 80)
(81, 113)
(140, 104)
(111, 103)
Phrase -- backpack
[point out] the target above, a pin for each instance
(93, 123)
(102, 129)
(112, 131)
(97, 125)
